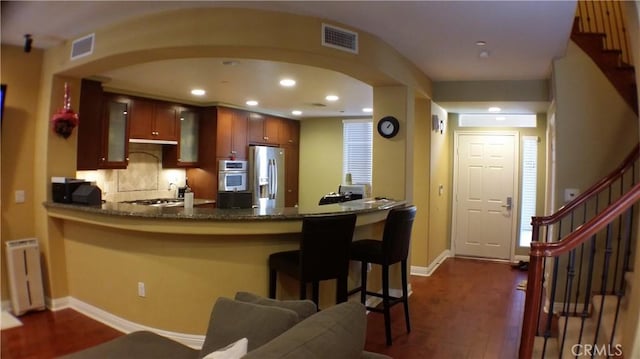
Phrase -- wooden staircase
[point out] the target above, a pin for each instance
(597, 334)
(580, 269)
(599, 30)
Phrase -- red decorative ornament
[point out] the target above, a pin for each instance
(65, 120)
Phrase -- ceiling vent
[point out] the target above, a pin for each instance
(82, 47)
(340, 39)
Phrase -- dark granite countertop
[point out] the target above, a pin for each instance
(215, 214)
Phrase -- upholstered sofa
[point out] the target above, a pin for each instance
(272, 328)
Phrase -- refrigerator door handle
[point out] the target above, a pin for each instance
(274, 182)
(270, 175)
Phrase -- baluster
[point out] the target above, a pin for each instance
(567, 295)
(552, 298)
(581, 263)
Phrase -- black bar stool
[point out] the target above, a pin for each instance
(323, 254)
(393, 248)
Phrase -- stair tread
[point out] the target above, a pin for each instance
(573, 331)
(551, 351)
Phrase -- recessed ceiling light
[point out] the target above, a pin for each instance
(198, 92)
(481, 43)
(296, 112)
(367, 109)
(332, 98)
(288, 82)
(495, 109)
(252, 103)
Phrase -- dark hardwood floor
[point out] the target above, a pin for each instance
(466, 309)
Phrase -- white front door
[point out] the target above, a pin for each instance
(485, 195)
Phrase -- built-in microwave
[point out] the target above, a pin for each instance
(232, 176)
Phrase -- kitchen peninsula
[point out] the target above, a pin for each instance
(185, 258)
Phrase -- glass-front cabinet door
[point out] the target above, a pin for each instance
(189, 123)
(115, 145)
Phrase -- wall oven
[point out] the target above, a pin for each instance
(232, 176)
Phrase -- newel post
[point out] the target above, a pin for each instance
(532, 301)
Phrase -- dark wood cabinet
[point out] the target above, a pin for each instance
(153, 120)
(102, 133)
(289, 132)
(264, 129)
(291, 178)
(115, 139)
(186, 153)
(231, 134)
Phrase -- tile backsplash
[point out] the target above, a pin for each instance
(144, 177)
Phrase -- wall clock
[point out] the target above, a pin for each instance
(388, 126)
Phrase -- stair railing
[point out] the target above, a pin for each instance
(605, 17)
(584, 247)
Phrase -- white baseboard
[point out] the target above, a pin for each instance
(517, 258)
(5, 305)
(56, 304)
(121, 324)
(429, 270)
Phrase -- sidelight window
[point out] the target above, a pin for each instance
(357, 150)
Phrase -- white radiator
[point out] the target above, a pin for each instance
(25, 275)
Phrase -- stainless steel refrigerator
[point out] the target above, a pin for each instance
(266, 172)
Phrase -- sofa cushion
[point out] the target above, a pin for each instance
(304, 308)
(232, 320)
(137, 345)
(336, 332)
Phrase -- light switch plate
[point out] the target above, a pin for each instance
(20, 196)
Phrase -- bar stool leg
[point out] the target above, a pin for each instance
(363, 282)
(341, 289)
(272, 283)
(405, 295)
(315, 291)
(303, 290)
(385, 302)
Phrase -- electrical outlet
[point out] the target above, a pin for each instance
(141, 290)
(20, 196)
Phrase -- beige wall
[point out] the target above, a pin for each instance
(320, 159)
(595, 128)
(440, 172)
(21, 73)
(419, 191)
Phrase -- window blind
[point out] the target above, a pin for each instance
(529, 177)
(357, 150)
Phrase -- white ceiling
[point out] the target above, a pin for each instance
(439, 37)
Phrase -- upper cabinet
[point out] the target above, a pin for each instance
(231, 134)
(186, 153)
(263, 129)
(289, 132)
(153, 120)
(102, 133)
(115, 145)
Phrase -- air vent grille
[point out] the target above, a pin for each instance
(82, 47)
(338, 38)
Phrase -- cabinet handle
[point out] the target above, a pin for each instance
(290, 141)
(103, 159)
(126, 159)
